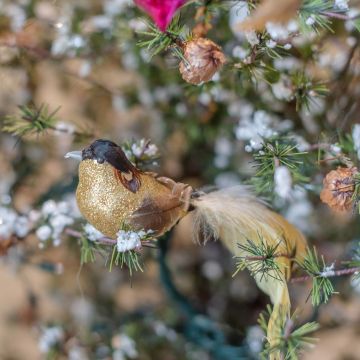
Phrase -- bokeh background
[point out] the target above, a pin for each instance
(81, 57)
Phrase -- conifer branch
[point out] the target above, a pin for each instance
(333, 273)
(37, 120)
(291, 340)
(322, 288)
(261, 259)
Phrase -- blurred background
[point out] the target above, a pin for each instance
(82, 59)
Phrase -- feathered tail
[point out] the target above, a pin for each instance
(235, 216)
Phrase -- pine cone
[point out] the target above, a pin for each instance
(338, 188)
(202, 59)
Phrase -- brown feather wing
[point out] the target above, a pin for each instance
(125, 171)
(160, 212)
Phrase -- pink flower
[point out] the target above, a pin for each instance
(161, 11)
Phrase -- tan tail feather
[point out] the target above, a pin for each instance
(234, 216)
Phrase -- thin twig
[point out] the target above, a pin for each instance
(339, 16)
(71, 132)
(340, 272)
(106, 240)
(257, 258)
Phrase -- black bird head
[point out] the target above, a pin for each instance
(107, 151)
(99, 150)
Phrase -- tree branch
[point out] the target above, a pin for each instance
(335, 273)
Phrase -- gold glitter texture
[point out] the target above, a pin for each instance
(107, 204)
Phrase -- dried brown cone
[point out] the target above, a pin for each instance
(202, 59)
(338, 188)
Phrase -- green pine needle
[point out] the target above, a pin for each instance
(31, 120)
(260, 258)
(87, 250)
(297, 340)
(158, 41)
(130, 259)
(322, 287)
(291, 341)
(306, 90)
(273, 154)
(355, 261)
(316, 9)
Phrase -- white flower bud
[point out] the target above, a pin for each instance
(43, 232)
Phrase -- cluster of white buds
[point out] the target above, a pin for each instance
(144, 148)
(124, 347)
(328, 271)
(11, 223)
(259, 125)
(356, 138)
(54, 217)
(283, 182)
(91, 233)
(141, 151)
(50, 337)
(131, 240)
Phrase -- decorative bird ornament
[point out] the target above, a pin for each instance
(112, 193)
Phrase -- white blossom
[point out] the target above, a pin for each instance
(212, 270)
(238, 13)
(77, 352)
(254, 339)
(16, 14)
(283, 181)
(355, 284)
(300, 211)
(137, 25)
(58, 215)
(310, 20)
(271, 44)
(252, 38)
(50, 337)
(60, 221)
(92, 233)
(8, 219)
(283, 90)
(328, 271)
(66, 42)
(223, 150)
(240, 52)
(125, 347)
(62, 126)
(280, 31)
(335, 149)
(22, 226)
(301, 143)
(204, 98)
(49, 207)
(128, 240)
(162, 330)
(261, 125)
(356, 138)
(287, 63)
(143, 148)
(350, 24)
(342, 5)
(115, 7)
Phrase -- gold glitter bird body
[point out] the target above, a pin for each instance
(113, 193)
(110, 199)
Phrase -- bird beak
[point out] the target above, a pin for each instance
(74, 155)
